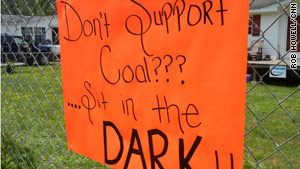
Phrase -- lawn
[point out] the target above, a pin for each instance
(269, 125)
(33, 131)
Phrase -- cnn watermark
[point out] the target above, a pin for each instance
(293, 35)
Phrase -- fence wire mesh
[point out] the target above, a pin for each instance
(32, 114)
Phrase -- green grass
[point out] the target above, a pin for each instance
(273, 124)
(33, 134)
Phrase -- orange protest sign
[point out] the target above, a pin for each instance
(155, 84)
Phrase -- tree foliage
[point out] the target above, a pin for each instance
(28, 7)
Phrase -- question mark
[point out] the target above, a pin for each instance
(171, 60)
(181, 64)
(155, 70)
(167, 65)
(184, 60)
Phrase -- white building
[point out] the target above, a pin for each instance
(273, 25)
(31, 27)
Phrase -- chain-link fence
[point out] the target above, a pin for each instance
(32, 113)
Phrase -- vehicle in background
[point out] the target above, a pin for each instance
(15, 48)
(42, 53)
(55, 49)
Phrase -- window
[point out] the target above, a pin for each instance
(20, 41)
(250, 25)
(38, 34)
(55, 36)
(27, 33)
(254, 25)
